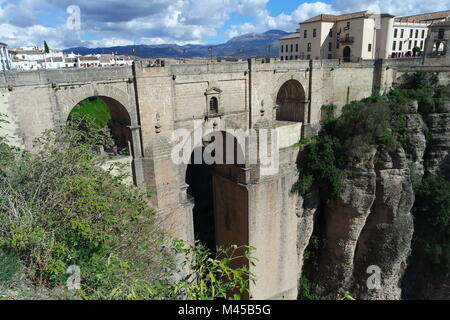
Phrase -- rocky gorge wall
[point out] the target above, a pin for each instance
(371, 223)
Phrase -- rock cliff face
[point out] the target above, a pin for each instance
(420, 282)
(369, 224)
(437, 157)
(417, 130)
(307, 211)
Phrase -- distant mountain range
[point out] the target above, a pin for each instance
(245, 46)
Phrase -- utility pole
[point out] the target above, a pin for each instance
(269, 50)
(211, 52)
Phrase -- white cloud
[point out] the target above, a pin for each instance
(109, 42)
(289, 22)
(119, 22)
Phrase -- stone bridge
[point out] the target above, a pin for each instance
(216, 204)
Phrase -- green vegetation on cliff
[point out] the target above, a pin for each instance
(432, 212)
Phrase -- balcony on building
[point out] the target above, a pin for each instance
(347, 40)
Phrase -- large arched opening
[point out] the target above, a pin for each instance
(106, 114)
(220, 210)
(291, 102)
(110, 118)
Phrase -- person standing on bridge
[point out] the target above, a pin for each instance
(115, 150)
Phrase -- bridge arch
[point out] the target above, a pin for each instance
(291, 101)
(70, 97)
(220, 212)
(119, 119)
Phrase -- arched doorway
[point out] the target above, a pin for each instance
(220, 210)
(347, 53)
(291, 101)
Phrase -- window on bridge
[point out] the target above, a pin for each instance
(291, 102)
(214, 106)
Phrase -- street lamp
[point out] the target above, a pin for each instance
(269, 49)
(211, 52)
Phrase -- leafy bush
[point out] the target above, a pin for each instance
(306, 289)
(226, 276)
(328, 112)
(10, 267)
(432, 212)
(59, 208)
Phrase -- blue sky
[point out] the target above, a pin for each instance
(119, 22)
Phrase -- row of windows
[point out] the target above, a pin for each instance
(305, 33)
(287, 48)
(330, 34)
(411, 33)
(308, 57)
(330, 47)
(400, 45)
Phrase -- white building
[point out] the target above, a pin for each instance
(411, 32)
(348, 36)
(5, 58)
(88, 62)
(25, 65)
(289, 46)
(34, 53)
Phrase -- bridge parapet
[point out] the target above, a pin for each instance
(221, 67)
(45, 77)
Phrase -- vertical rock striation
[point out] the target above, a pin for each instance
(370, 223)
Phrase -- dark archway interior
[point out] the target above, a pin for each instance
(347, 53)
(200, 180)
(291, 102)
(118, 122)
(202, 189)
(119, 125)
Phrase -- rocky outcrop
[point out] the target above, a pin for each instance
(307, 211)
(437, 158)
(421, 282)
(369, 224)
(417, 130)
(385, 241)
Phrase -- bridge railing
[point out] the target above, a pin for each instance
(75, 75)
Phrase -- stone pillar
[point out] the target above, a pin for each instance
(272, 225)
(138, 169)
(160, 176)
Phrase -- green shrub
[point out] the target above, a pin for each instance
(432, 212)
(59, 208)
(10, 267)
(306, 292)
(328, 112)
